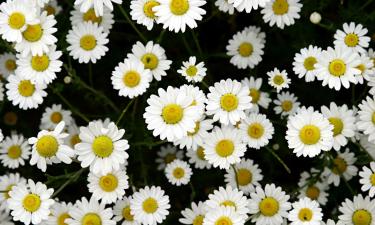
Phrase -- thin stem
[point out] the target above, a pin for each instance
(124, 111)
(150, 145)
(205, 84)
(348, 185)
(197, 43)
(235, 174)
(90, 75)
(278, 159)
(160, 38)
(186, 44)
(125, 14)
(192, 194)
(363, 149)
(73, 178)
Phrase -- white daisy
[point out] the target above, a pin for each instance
(102, 148)
(256, 130)
(352, 37)
(52, 7)
(359, 211)
(59, 213)
(73, 137)
(261, 35)
(304, 62)
(194, 215)
(278, 79)
(305, 211)
(106, 20)
(166, 155)
(153, 58)
(48, 148)
(368, 179)
(14, 151)
(130, 78)
(197, 157)
(143, 12)
(7, 64)
(313, 189)
(150, 205)
(224, 6)
(122, 212)
(223, 215)
(248, 5)
(7, 183)
(366, 67)
(87, 42)
(177, 14)
(258, 97)
(97, 4)
(366, 115)
(281, 12)
(178, 172)
(53, 115)
(286, 104)
(39, 3)
(193, 71)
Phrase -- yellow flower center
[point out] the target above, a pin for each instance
(255, 95)
(172, 113)
(224, 148)
(287, 105)
(147, 8)
(26, 88)
(269, 206)
(7, 190)
(200, 153)
(224, 220)
(191, 71)
(351, 40)
(178, 173)
(91, 219)
(255, 130)
(280, 7)
(50, 10)
(131, 78)
(198, 220)
(339, 166)
(126, 213)
(108, 182)
(196, 129)
(14, 151)
(305, 214)
(150, 61)
(338, 125)
(228, 203)
(61, 219)
(361, 67)
(16, 20)
(31, 202)
(337, 67)
(150, 205)
(309, 63)
(47, 146)
(373, 118)
(362, 217)
(102, 146)
(33, 33)
(169, 158)
(75, 140)
(245, 49)
(179, 7)
(278, 79)
(40, 63)
(309, 134)
(87, 42)
(10, 64)
(244, 177)
(56, 117)
(91, 16)
(372, 179)
(229, 102)
(312, 192)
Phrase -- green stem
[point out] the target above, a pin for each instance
(90, 75)
(148, 144)
(71, 179)
(125, 14)
(124, 111)
(160, 38)
(72, 108)
(192, 194)
(278, 159)
(235, 174)
(186, 44)
(197, 43)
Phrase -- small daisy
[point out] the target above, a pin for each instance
(194, 215)
(193, 71)
(102, 147)
(342, 165)
(176, 14)
(337, 67)
(258, 97)
(224, 6)
(48, 148)
(8, 64)
(368, 179)
(150, 205)
(87, 42)
(42, 68)
(315, 191)
(122, 212)
(153, 58)
(224, 147)
(281, 12)
(53, 115)
(7, 183)
(52, 7)
(24, 92)
(166, 155)
(73, 137)
(143, 12)
(270, 205)
(353, 37)
(305, 211)
(247, 176)
(359, 211)
(245, 49)
(278, 79)
(178, 172)
(106, 20)
(90, 211)
(309, 133)
(286, 104)
(248, 5)
(223, 215)
(197, 157)
(366, 115)
(30, 203)
(304, 62)
(14, 151)
(256, 130)
(131, 78)
(97, 4)
(59, 213)
(109, 187)
(170, 114)
(366, 67)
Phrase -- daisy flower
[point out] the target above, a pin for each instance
(245, 49)
(270, 205)
(39, 3)
(109, 187)
(256, 130)
(170, 114)
(197, 157)
(53, 115)
(73, 137)
(122, 212)
(286, 104)
(98, 5)
(304, 62)
(14, 151)
(309, 133)
(106, 20)
(281, 12)
(366, 67)
(193, 71)
(59, 213)
(223, 215)
(178, 172)
(194, 215)
(40, 68)
(258, 97)
(30, 203)
(337, 67)
(143, 12)
(278, 79)
(24, 92)
(248, 5)
(343, 121)
(261, 35)
(224, 147)
(8, 64)
(176, 14)
(224, 6)
(7, 183)
(342, 165)
(227, 101)
(87, 42)
(247, 176)
(90, 212)
(305, 211)
(352, 37)
(15, 16)
(166, 155)
(368, 179)
(359, 211)
(366, 118)
(153, 58)
(150, 205)
(315, 191)
(48, 147)
(131, 78)
(102, 147)
(52, 8)
(38, 38)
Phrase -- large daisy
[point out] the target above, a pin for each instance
(281, 12)
(359, 211)
(256, 130)
(352, 37)
(14, 151)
